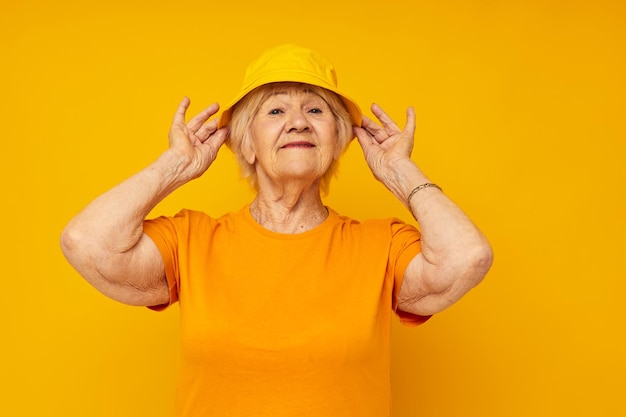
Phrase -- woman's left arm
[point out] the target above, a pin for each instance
(455, 254)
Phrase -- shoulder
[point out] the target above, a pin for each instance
(189, 221)
(190, 216)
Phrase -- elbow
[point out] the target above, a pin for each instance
(466, 269)
(75, 247)
(447, 283)
(73, 242)
(478, 263)
(69, 241)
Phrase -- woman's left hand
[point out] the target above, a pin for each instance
(387, 149)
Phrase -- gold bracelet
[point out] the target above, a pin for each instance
(418, 188)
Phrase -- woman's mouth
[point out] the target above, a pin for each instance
(300, 144)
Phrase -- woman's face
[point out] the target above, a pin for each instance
(293, 136)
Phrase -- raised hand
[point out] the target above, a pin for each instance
(386, 146)
(197, 141)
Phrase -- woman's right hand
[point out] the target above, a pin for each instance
(195, 142)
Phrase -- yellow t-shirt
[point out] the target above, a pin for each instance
(284, 325)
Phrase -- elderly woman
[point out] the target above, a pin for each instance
(285, 305)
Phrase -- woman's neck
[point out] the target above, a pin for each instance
(289, 210)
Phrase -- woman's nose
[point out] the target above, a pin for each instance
(297, 121)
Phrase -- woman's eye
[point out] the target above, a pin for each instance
(275, 111)
(316, 111)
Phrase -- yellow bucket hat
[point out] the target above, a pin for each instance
(291, 63)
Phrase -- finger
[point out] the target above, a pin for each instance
(388, 123)
(206, 130)
(374, 130)
(364, 138)
(179, 116)
(215, 142)
(409, 128)
(198, 120)
(219, 137)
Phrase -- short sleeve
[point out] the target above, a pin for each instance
(164, 232)
(405, 245)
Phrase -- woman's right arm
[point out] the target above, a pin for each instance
(105, 242)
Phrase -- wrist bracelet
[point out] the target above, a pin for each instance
(418, 188)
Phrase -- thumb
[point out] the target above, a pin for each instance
(219, 137)
(365, 140)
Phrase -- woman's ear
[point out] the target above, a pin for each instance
(246, 149)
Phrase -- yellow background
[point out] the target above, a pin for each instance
(520, 108)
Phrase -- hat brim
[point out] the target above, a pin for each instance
(292, 76)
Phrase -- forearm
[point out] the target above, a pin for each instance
(455, 254)
(105, 242)
(112, 223)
